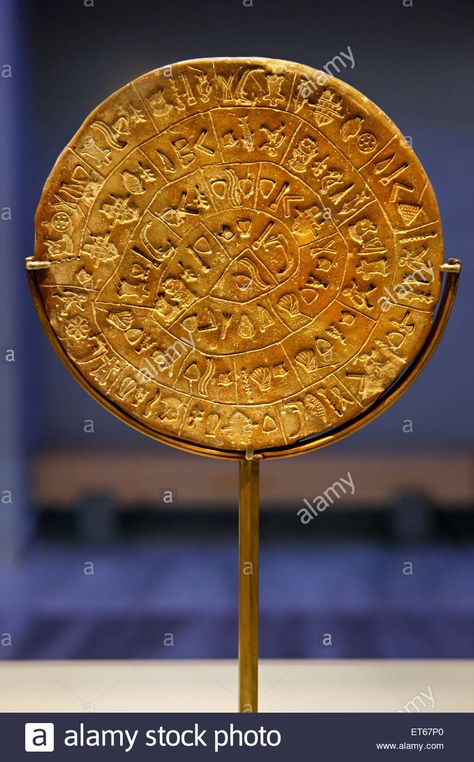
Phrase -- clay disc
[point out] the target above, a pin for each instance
(238, 253)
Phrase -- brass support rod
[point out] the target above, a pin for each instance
(248, 585)
(33, 264)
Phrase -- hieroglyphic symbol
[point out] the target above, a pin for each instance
(359, 295)
(84, 276)
(353, 204)
(235, 86)
(274, 82)
(366, 141)
(178, 291)
(312, 286)
(388, 170)
(203, 84)
(185, 147)
(77, 327)
(327, 107)
(289, 303)
(365, 233)
(135, 182)
(247, 275)
(246, 328)
(242, 139)
(195, 375)
(368, 268)
(61, 249)
(112, 134)
(269, 424)
(303, 154)
(236, 191)
(274, 139)
(308, 222)
(282, 198)
(408, 212)
(168, 409)
(92, 151)
(115, 135)
(335, 398)
(82, 187)
(99, 248)
(307, 359)
(160, 251)
(264, 317)
(119, 210)
(165, 100)
(302, 92)
(70, 301)
(192, 202)
(373, 260)
(238, 424)
(264, 375)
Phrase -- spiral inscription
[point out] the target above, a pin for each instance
(241, 253)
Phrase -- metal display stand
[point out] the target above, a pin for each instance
(249, 464)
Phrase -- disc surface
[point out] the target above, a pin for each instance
(242, 252)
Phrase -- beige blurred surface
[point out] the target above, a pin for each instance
(60, 478)
(210, 686)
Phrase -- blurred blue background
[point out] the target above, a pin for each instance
(162, 568)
